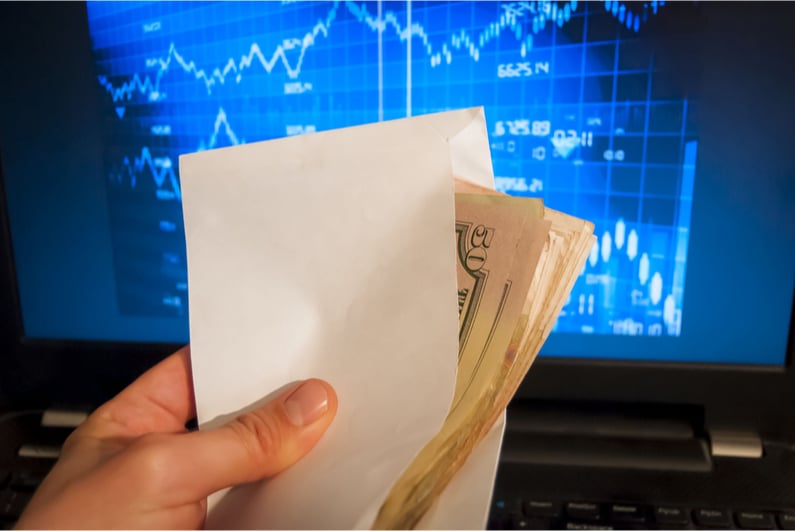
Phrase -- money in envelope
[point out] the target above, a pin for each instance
(379, 258)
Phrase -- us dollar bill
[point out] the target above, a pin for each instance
(564, 253)
(492, 291)
(498, 243)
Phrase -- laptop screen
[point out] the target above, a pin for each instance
(606, 110)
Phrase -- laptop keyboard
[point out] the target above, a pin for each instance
(17, 488)
(546, 514)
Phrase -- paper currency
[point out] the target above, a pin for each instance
(517, 262)
(570, 240)
(498, 243)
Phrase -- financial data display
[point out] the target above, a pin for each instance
(579, 109)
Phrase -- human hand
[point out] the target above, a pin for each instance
(132, 463)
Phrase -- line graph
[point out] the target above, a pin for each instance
(578, 112)
(161, 169)
(221, 126)
(509, 21)
(151, 89)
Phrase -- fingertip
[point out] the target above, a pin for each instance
(311, 407)
(331, 393)
(262, 442)
(306, 403)
(333, 402)
(313, 429)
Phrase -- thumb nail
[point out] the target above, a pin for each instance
(307, 403)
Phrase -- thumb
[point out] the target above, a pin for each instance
(258, 444)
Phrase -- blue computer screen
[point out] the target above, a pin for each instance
(578, 113)
(657, 121)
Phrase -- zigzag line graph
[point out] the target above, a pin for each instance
(510, 20)
(221, 122)
(162, 168)
(221, 92)
(219, 75)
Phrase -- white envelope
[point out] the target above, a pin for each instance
(331, 255)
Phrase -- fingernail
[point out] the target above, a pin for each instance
(307, 403)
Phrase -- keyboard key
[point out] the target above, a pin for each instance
(500, 516)
(541, 508)
(39, 451)
(502, 506)
(754, 520)
(671, 516)
(12, 503)
(625, 512)
(786, 520)
(712, 518)
(586, 525)
(583, 511)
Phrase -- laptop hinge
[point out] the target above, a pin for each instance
(729, 443)
(611, 435)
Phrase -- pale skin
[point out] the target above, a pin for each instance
(132, 464)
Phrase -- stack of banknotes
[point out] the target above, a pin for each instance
(517, 263)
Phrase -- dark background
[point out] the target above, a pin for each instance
(749, 130)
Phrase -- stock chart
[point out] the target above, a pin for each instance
(579, 112)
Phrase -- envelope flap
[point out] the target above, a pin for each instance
(469, 144)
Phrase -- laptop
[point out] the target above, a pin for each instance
(663, 397)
